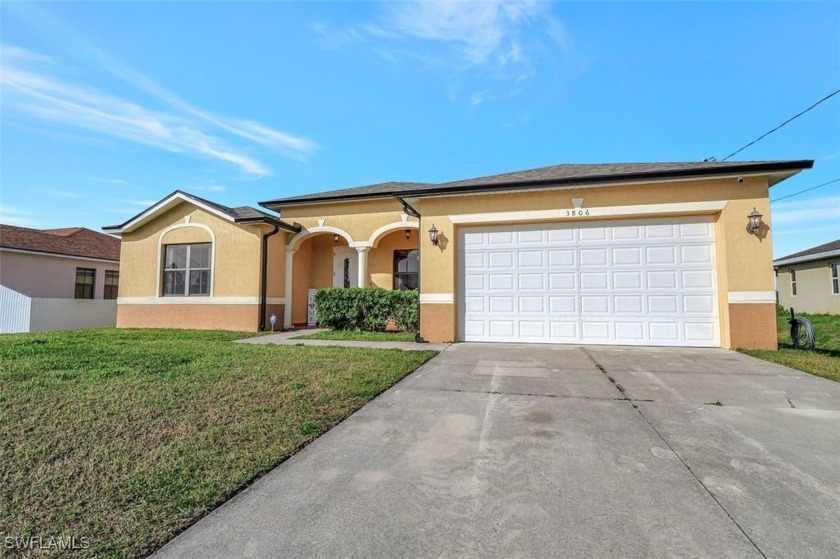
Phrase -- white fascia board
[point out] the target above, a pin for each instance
(807, 258)
(164, 205)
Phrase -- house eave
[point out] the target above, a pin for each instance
(807, 258)
(777, 172)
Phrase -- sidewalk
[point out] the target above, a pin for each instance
(292, 338)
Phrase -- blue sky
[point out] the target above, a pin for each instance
(109, 106)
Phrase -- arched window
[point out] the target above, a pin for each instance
(406, 269)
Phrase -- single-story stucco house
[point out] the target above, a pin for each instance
(57, 279)
(675, 254)
(808, 280)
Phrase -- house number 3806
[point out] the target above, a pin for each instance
(573, 213)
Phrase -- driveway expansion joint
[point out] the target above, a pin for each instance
(527, 394)
(676, 454)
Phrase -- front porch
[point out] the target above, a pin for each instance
(324, 257)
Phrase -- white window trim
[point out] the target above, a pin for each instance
(792, 273)
(159, 290)
(833, 275)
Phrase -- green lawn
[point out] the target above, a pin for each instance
(354, 335)
(823, 361)
(126, 437)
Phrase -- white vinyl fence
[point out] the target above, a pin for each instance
(19, 313)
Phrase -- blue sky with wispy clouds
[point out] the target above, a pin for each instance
(109, 106)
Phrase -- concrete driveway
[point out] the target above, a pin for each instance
(507, 450)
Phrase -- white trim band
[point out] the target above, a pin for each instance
(590, 213)
(57, 255)
(198, 300)
(437, 298)
(751, 297)
(807, 258)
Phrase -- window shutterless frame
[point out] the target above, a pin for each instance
(793, 283)
(835, 280)
(112, 284)
(186, 270)
(406, 269)
(85, 280)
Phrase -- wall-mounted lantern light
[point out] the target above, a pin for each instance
(408, 233)
(755, 221)
(335, 237)
(433, 235)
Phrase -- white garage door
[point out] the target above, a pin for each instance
(628, 282)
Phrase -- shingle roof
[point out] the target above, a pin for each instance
(74, 241)
(833, 246)
(240, 214)
(382, 188)
(559, 175)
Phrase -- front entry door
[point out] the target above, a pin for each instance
(345, 267)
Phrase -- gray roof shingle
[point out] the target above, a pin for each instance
(239, 214)
(546, 176)
(827, 247)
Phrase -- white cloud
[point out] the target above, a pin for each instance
(492, 31)
(144, 203)
(66, 194)
(288, 144)
(209, 188)
(30, 88)
(10, 215)
(813, 211)
(495, 37)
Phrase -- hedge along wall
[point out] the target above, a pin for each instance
(362, 308)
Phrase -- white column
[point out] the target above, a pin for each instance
(363, 257)
(287, 308)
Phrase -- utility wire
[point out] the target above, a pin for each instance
(806, 190)
(830, 95)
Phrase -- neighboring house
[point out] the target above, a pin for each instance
(808, 280)
(633, 254)
(57, 279)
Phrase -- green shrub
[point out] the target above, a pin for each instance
(369, 309)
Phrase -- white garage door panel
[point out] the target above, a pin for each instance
(632, 282)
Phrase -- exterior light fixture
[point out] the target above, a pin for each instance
(408, 233)
(755, 221)
(433, 235)
(335, 237)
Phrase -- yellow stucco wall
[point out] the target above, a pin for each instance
(813, 287)
(236, 253)
(744, 260)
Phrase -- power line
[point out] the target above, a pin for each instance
(830, 95)
(806, 190)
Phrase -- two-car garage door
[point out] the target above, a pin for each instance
(629, 282)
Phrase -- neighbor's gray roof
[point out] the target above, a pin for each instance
(559, 175)
(822, 251)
